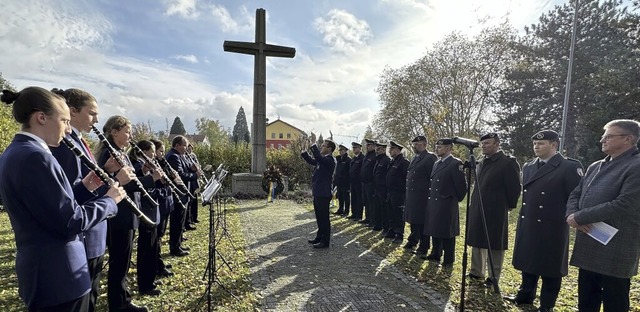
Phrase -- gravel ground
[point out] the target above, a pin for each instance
(290, 275)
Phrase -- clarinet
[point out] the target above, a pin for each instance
(202, 179)
(164, 163)
(108, 181)
(121, 162)
(157, 168)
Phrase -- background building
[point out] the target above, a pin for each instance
(280, 134)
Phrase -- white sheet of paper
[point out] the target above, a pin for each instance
(602, 232)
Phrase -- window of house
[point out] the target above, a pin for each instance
(288, 135)
(273, 135)
(281, 136)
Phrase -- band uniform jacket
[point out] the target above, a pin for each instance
(158, 192)
(125, 219)
(380, 175)
(47, 220)
(341, 178)
(609, 192)
(191, 160)
(417, 191)
(180, 165)
(354, 169)
(542, 236)
(95, 239)
(397, 180)
(448, 188)
(366, 171)
(499, 184)
(323, 172)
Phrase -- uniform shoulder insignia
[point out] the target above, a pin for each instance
(579, 170)
(461, 167)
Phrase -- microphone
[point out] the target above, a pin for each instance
(466, 142)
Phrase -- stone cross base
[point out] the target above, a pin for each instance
(251, 183)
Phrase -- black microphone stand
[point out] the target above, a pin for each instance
(470, 166)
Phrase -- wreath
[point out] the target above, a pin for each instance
(272, 175)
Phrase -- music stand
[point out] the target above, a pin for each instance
(470, 166)
(209, 195)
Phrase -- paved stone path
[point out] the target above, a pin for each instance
(290, 275)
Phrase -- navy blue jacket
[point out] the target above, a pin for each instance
(158, 192)
(323, 173)
(51, 261)
(95, 239)
(180, 165)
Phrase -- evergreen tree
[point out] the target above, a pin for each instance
(240, 129)
(177, 127)
(247, 137)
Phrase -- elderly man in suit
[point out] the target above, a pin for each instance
(496, 192)
(448, 188)
(542, 238)
(325, 166)
(417, 194)
(610, 193)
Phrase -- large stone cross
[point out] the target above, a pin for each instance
(260, 50)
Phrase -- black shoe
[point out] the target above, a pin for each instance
(432, 257)
(517, 300)
(189, 227)
(364, 221)
(185, 248)
(421, 252)
(196, 221)
(164, 273)
(377, 228)
(488, 283)
(179, 253)
(338, 212)
(474, 277)
(321, 245)
(313, 241)
(168, 266)
(151, 292)
(130, 307)
(409, 245)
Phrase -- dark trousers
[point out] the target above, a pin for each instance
(357, 200)
(78, 305)
(595, 289)
(120, 246)
(381, 215)
(446, 246)
(161, 229)
(417, 238)
(147, 258)
(369, 190)
(321, 209)
(193, 208)
(548, 292)
(95, 268)
(396, 222)
(176, 225)
(343, 199)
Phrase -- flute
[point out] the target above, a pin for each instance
(157, 168)
(165, 164)
(108, 181)
(121, 162)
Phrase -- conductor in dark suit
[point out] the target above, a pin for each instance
(417, 194)
(448, 188)
(542, 237)
(396, 191)
(498, 185)
(355, 185)
(341, 181)
(325, 165)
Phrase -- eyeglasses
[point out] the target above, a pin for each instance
(609, 136)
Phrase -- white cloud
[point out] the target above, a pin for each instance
(244, 22)
(187, 58)
(342, 31)
(183, 8)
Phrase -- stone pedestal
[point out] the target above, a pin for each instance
(251, 183)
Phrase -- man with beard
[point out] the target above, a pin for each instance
(417, 194)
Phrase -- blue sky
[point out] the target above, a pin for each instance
(152, 60)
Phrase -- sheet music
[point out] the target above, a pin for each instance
(602, 232)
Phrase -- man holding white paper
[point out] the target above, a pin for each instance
(608, 193)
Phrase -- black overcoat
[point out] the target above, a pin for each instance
(499, 184)
(542, 235)
(397, 180)
(354, 168)
(448, 188)
(341, 177)
(418, 187)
